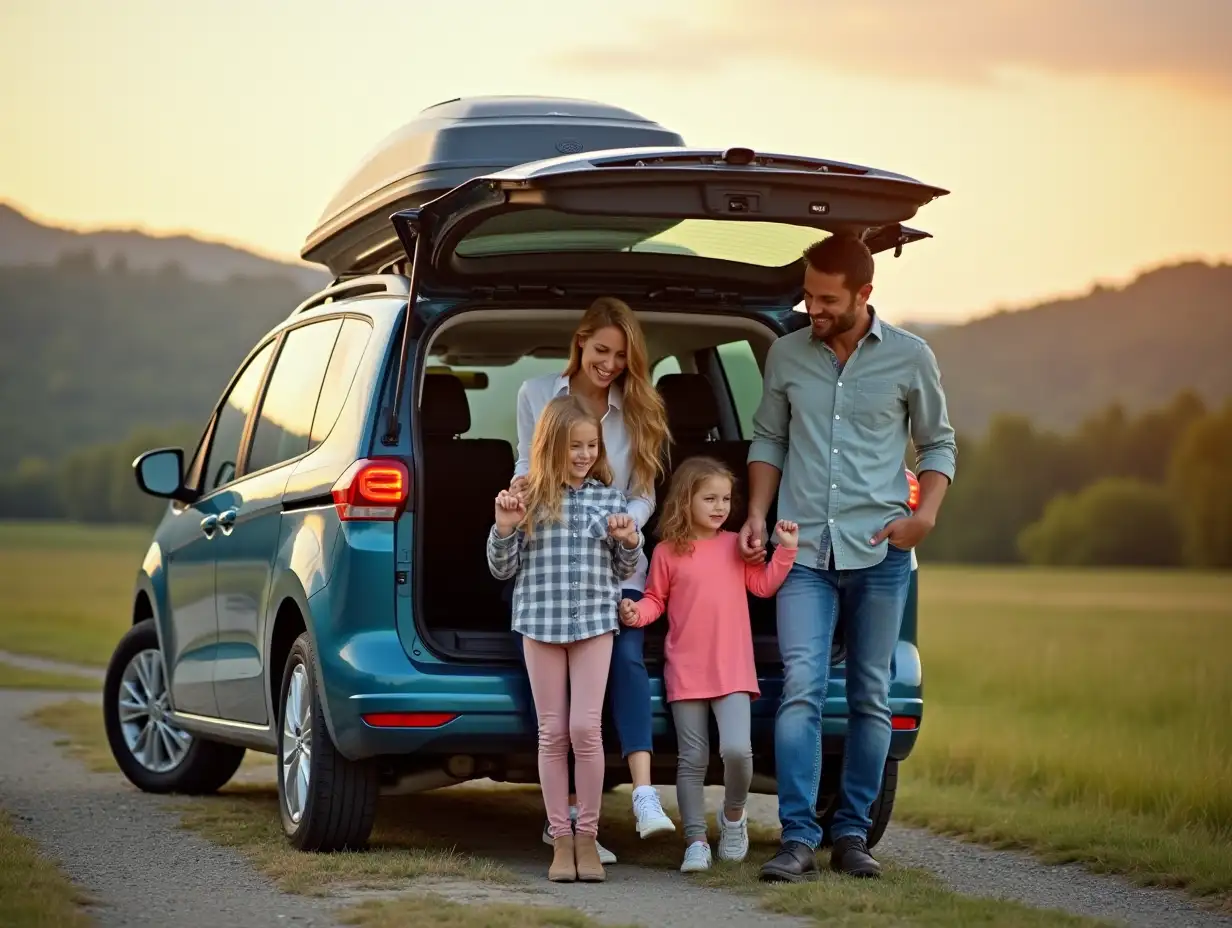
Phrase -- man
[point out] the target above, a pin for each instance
(839, 402)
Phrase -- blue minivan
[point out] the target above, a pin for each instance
(317, 588)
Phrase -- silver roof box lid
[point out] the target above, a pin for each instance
(453, 142)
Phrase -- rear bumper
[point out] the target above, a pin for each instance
(371, 673)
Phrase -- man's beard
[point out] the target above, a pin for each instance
(840, 323)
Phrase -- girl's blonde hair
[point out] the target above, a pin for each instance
(676, 523)
(549, 459)
(644, 413)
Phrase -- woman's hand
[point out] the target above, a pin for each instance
(517, 486)
(789, 534)
(510, 510)
(628, 612)
(621, 526)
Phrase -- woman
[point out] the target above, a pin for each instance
(609, 372)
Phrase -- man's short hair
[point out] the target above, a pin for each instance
(842, 254)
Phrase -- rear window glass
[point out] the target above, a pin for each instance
(528, 231)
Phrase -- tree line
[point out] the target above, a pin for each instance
(1147, 490)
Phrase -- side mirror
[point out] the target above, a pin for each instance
(161, 473)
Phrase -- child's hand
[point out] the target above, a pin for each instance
(628, 612)
(518, 487)
(622, 527)
(510, 511)
(789, 534)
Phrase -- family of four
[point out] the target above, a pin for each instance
(840, 400)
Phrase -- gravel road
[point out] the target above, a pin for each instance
(126, 851)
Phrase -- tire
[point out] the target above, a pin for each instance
(880, 813)
(153, 754)
(331, 802)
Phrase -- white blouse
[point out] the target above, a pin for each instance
(534, 395)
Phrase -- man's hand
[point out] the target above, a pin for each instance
(753, 540)
(621, 526)
(905, 533)
(789, 534)
(510, 510)
(628, 612)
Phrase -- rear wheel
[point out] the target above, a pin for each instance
(156, 755)
(327, 802)
(880, 813)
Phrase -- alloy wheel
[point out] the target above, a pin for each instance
(152, 740)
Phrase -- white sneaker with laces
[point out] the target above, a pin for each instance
(651, 819)
(606, 857)
(733, 837)
(696, 858)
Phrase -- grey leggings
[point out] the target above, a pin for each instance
(692, 718)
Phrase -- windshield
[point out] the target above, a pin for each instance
(526, 231)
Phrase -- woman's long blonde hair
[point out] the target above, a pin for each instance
(676, 523)
(549, 459)
(644, 413)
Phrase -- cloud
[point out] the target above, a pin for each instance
(952, 40)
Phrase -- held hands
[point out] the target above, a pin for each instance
(628, 612)
(904, 533)
(510, 510)
(789, 534)
(621, 526)
(518, 487)
(753, 540)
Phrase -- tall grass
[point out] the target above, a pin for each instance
(1107, 694)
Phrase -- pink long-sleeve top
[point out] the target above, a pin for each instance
(709, 646)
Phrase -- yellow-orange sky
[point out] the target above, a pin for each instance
(1081, 140)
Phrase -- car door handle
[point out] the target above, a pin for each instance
(209, 525)
(226, 520)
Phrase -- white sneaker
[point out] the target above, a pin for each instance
(733, 837)
(696, 858)
(651, 819)
(606, 857)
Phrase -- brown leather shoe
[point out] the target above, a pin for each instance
(563, 869)
(589, 867)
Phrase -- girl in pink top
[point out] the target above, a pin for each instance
(698, 568)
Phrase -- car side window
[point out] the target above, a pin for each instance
(223, 460)
(744, 380)
(343, 363)
(284, 428)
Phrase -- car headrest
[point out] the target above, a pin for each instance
(691, 408)
(444, 409)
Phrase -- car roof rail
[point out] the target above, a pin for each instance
(393, 284)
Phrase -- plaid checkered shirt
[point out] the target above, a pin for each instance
(568, 572)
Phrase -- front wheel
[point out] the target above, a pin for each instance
(155, 755)
(327, 802)
(880, 813)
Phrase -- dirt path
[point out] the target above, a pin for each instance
(125, 849)
(43, 665)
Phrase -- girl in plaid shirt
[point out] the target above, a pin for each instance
(569, 542)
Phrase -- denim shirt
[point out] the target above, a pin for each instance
(838, 434)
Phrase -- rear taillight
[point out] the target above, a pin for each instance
(372, 490)
(913, 491)
(904, 723)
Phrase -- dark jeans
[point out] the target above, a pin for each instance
(871, 602)
(628, 690)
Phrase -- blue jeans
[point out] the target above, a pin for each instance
(871, 602)
(628, 690)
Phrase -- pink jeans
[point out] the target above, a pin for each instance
(568, 682)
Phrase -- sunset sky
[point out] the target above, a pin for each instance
(1082, 140)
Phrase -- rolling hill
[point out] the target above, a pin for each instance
(24, 242)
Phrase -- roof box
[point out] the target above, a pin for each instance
(451, 143)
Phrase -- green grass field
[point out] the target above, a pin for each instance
(66, 590)
(1086, 715)
(1083, 714)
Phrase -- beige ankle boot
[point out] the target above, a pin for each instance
(589, 868)
(563, 869)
